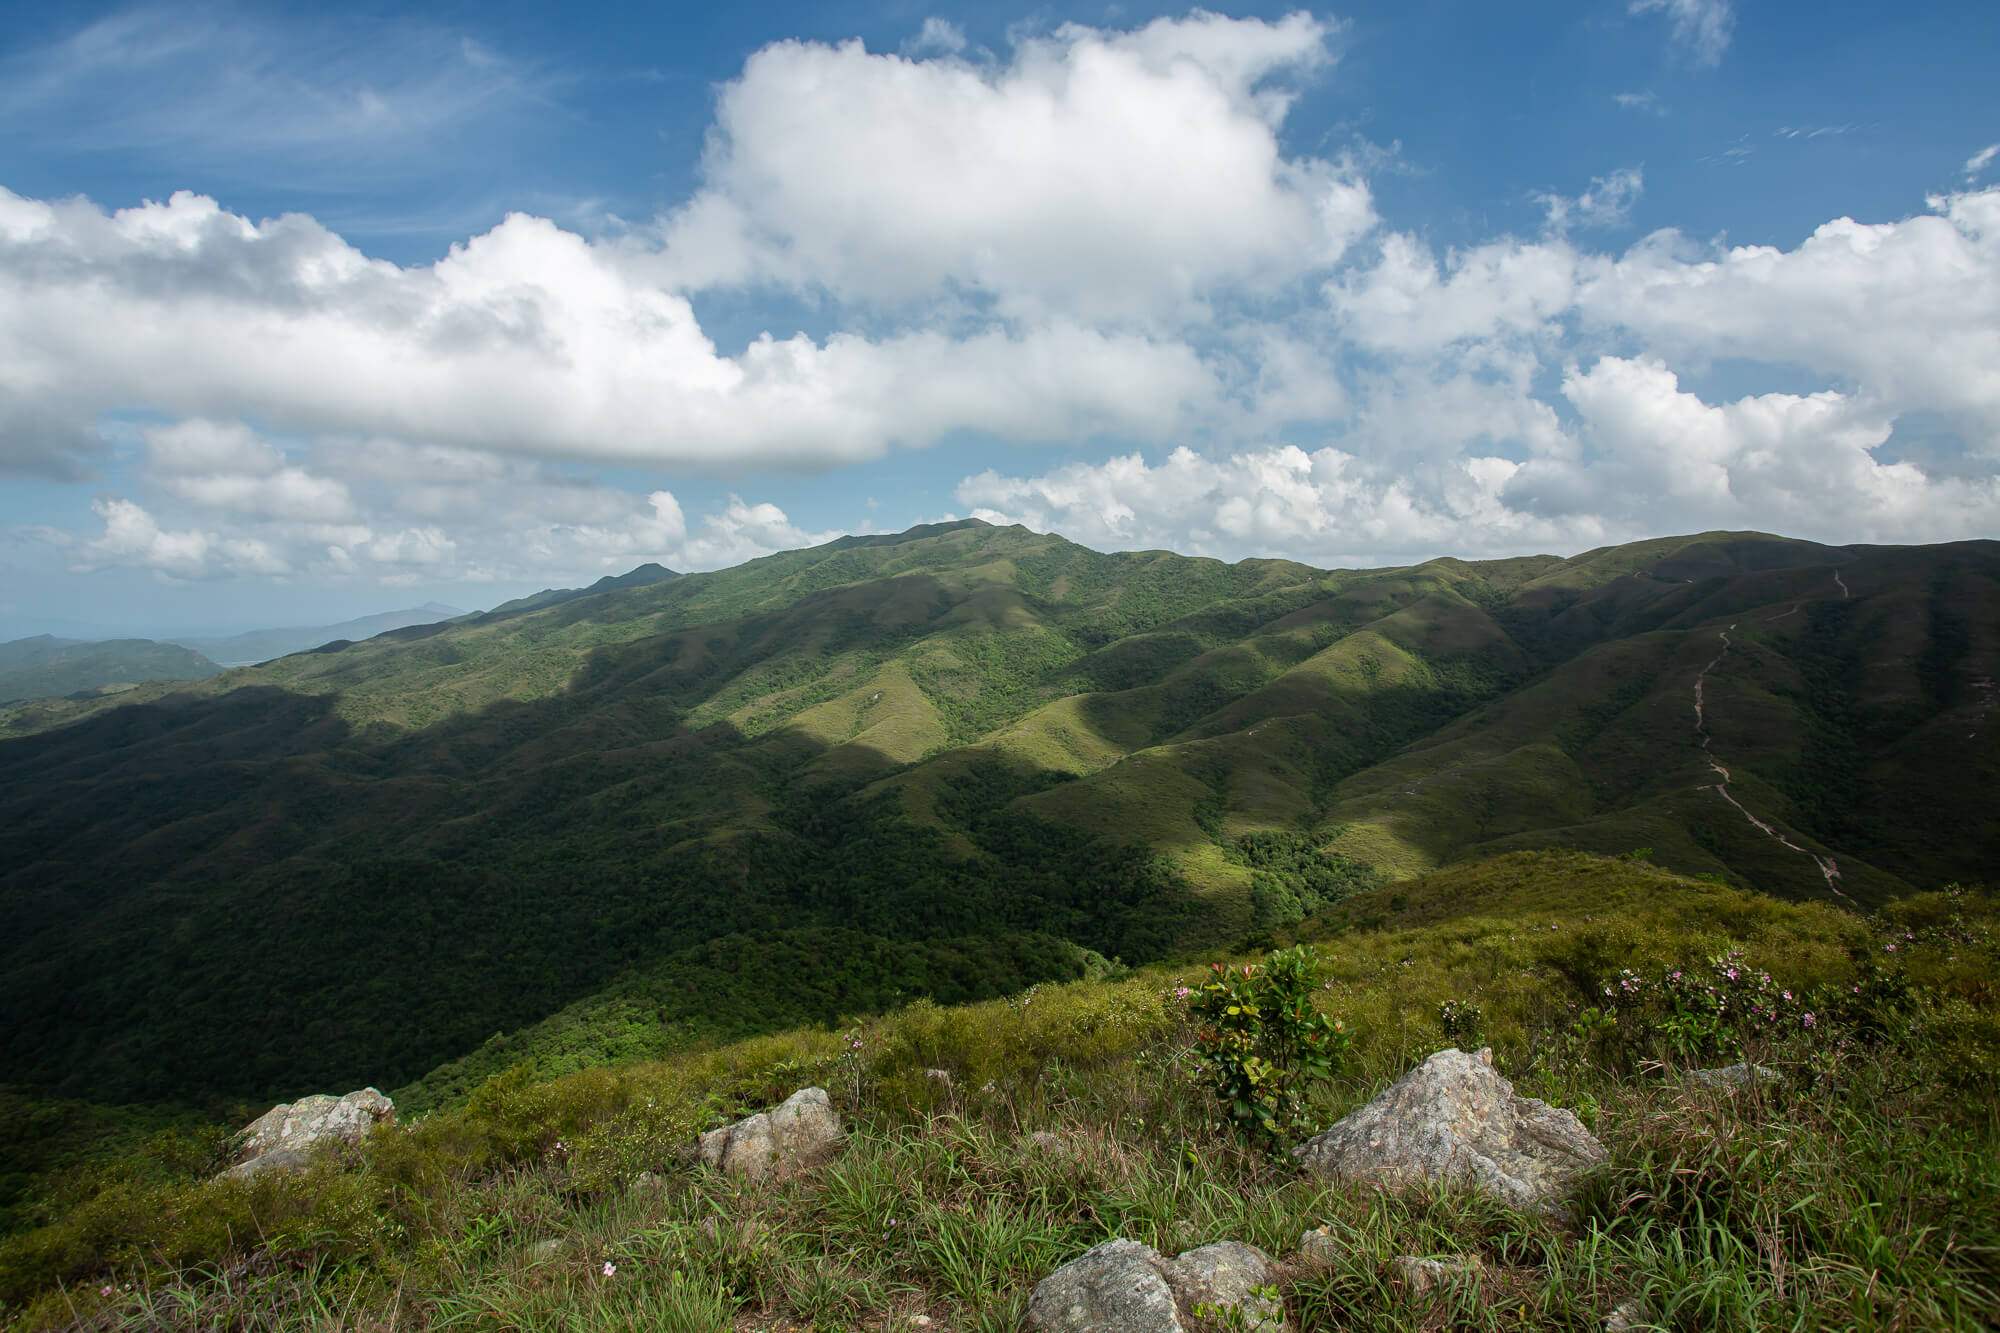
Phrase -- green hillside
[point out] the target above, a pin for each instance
(952, 761)
(44, 667)
(987, 1144)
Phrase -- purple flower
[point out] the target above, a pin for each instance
(1808, 1020)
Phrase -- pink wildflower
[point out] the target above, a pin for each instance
(610, 1269)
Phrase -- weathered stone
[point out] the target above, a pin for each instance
(801, 1132)
(1224, 1275)
(1122, 1286)
(1736, 1078)
(283, 1137)
(1318, 1246)
(1454, 1119)
(1118, 1287)
(1422, 1276)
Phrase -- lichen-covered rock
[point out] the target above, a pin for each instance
(1122, 1286)
(802, 1131)
(1422, 1276)
(284, 1136)
(1454, 1119)
(1318, 1246)
(1736, 1078)
(1225, 1275)
(1117, 1287)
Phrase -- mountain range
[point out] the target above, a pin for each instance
(949, 762)
(261, 645)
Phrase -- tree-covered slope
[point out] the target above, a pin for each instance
(954, 760)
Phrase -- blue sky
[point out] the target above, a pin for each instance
(306, 313)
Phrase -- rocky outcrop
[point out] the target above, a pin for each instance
(1454, 1119)
(1122, 1286)
(801, 1132)
(284, 1137)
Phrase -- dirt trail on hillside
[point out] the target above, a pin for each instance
(1828, 867)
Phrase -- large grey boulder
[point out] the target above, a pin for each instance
(284, 1137)
(1453, 1119)
(802, 1131)
(1122, 1286)
(1223, 1276)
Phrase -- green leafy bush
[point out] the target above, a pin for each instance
(1263, 1041)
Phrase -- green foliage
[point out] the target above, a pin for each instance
(1462, 1022)
(1264, 1042)
(1294, 875)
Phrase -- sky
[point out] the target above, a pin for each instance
(310, 312)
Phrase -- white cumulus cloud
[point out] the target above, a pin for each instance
(1097, 175)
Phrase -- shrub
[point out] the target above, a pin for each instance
(1263, 1041)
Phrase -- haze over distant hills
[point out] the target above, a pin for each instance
(264, 644)
(44, 665)
(950, 762)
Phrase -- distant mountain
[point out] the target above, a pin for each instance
(950, 762)
(261, 645)
(44, 666)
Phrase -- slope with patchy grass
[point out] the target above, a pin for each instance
(1862, 1195)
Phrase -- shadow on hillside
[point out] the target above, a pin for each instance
(241, 894)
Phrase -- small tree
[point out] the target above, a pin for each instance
(1263, 1042)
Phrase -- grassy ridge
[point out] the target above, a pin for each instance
(1861, 1196)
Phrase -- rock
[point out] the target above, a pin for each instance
(1628, 1317)
(1222, 1275)
(801, 1132)
(283, 1137)
(1122, 1286)
(1454, 1119)
(1118, 1287)
(1736, 1078)
(1422, 1276)
(1318, 1246)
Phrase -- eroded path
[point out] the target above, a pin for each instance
(1828, 867)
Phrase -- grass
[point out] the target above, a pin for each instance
(988, 1144)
